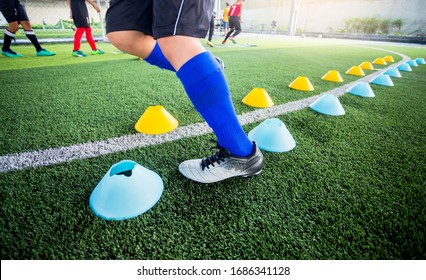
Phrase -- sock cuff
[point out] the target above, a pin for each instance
(198, 68)
(29, 32)
(153, 54)
(157, 58)
(9, 33)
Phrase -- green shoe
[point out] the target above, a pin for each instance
(10, 53)
(78, 54)
(44, 52)
(98, 51)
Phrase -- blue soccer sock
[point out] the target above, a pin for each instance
(208, 90)
(158, 59)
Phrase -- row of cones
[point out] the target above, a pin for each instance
(128, 189)
(302, 83)
(358, 70)
(258, 97)
(157, 120)
(330, 105)
(272, 134)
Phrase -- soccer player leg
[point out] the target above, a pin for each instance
(78, 35)
(206, 86)
(237, 29)
(91, 41)
(9, 33)
(39, 50)
(9, 36)
(31, 35)
(157, 58)
(129, 28)
(6, 50)
(140, 45)
(89, 38)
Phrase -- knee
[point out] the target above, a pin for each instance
(26, 25)
(122, 41)
(13, 26)
(132, 42)
(119, 41)
(114, 39)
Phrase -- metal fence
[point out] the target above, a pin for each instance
(51, 18)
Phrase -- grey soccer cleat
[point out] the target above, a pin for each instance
(222, 165)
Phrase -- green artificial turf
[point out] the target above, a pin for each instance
(98, 97)
(353, 188)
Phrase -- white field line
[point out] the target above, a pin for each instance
(32, 159)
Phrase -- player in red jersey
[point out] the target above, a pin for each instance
(234, 14)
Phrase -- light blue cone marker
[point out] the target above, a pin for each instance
(382, 80)
(412, 63)
(273, 136)
(126, 191)
(328, 104)
(393, 72)
(420, 60)
(362, 89)
(404, 67)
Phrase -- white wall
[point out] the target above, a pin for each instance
(320, 15)
(314, 15)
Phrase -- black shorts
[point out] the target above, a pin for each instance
(235, 23)
(80, 14)
(161, 18)
(14, 12)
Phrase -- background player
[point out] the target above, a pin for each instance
(225, 19)
(132, 27)
(211, 30)
(80, 16)
(14, 12)
(235, 19)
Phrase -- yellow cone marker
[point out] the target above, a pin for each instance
(258, 97)
(366, 65)
(301, 83)
(356, 71)
(156, 120)
(380, 61)
(389, 58)
(332, 76)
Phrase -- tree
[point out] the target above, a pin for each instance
(385, 25)
(398, 23)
